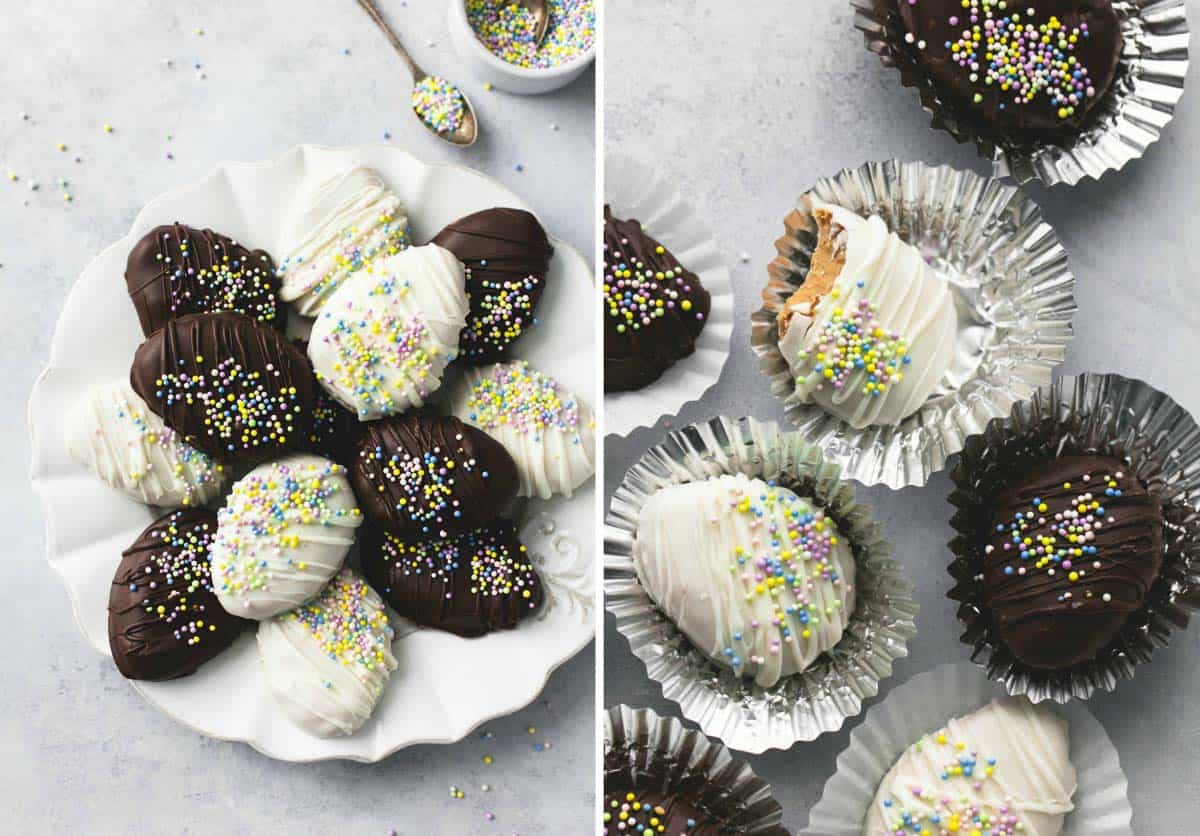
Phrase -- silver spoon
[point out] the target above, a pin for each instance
(468, 128)
(541, 18)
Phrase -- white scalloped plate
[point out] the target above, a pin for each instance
(445, 686)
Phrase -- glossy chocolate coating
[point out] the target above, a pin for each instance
(507, 254)
(673, 811)
(1045, 618)
(469, 585)
(167, 566)
(188, 371)
(335, 431)
(423, 476)
(637, 353)
(175, 270)
(997, 113)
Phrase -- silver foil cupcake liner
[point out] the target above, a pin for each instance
(1129, 118)
(645, 751)
(1089, 413)
(801, 707)
(1014, 296)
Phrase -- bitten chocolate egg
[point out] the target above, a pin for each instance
(232, 388)
(870, 333)
(175, 270)
(654, 308)
(164, 620)
(471, 584)
(1073, 550)
(507, 254)
(425, 476)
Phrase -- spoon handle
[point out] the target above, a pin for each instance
(373, 11)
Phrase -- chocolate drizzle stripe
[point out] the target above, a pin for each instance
(165, 279)
(1058, 610)
(234, 339)
(634, 357)
(167, 567)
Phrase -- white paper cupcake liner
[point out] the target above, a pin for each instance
(1127, 121)
(1103, 413)
(925, 703)
(802, 707)
(646, 751)
(1013, 293)
(636, 190)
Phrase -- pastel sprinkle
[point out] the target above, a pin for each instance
(854, 344)
(439, 104)
(522, 398)
(507, 30)
(349, 626)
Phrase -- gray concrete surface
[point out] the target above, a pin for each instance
(745, 110)
(82, 752)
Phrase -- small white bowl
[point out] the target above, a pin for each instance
(483, 65)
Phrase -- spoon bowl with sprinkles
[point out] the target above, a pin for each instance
(440, 105)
